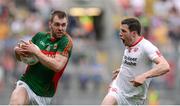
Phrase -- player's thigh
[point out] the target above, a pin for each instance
(19, 96)
(109, 100)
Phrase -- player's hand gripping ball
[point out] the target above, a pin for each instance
(31, 59)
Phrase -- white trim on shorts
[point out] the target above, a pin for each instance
(33, 98)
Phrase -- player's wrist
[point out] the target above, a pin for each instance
(146, 76)
(36, 53)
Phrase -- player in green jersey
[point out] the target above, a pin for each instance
(38, 84)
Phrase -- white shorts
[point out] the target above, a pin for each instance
(115, 92)
(33, 98)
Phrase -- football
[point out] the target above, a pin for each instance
(31, 59)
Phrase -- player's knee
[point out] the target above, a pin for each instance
(19, 97)
(109, 100)
(15, 99)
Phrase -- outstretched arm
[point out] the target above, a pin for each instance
(161, 68)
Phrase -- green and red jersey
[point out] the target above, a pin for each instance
(42, 80)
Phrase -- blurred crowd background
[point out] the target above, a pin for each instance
(97, 51)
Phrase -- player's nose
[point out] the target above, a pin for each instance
(120, 35)
(60, 27)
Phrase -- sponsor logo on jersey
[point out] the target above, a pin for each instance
(130, 61)
(42, 43)
(135, 49)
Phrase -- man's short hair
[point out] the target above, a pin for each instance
(133, 24)
(58, 13)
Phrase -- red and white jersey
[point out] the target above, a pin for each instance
(137, 59)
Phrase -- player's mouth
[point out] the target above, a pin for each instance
(122, 39)
(60, 33)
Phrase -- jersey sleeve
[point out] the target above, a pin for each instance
(151, 51)
(37, 36)
(65, 47)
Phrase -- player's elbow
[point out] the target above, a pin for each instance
(166, 67)
(59, 67)
(60, 64)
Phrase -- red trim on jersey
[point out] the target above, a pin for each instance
(158, 53)
(57, 76)
(27, 68)
(113, 89)
(68, 46)
(52, 39)
(136, 42)
(48, 52)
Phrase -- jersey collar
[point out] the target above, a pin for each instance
(53, 39)
(137, 41)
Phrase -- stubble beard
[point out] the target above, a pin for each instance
(55, 35)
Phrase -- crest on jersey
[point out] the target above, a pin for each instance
(132, 49)
(135, 49)
(129, 49)
(55, 46)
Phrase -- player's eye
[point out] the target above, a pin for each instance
(64, 24)
(56, 24)
(122, 30)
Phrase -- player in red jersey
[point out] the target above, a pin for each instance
(38, 84)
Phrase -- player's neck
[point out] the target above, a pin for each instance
(136, 40)
(53, 38)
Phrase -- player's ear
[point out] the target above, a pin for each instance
(49, 24)
(133, 32)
